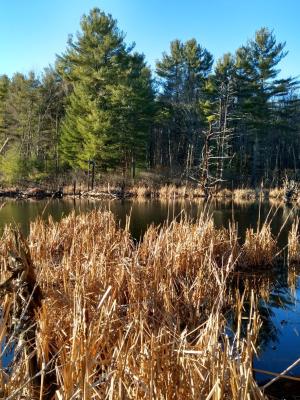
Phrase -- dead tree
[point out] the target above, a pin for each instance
(224, 134)
(212, 160)
(216, 146)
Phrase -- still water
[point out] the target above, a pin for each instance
(280, 334)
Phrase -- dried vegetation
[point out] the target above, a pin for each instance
(120, 320)
(294, 243)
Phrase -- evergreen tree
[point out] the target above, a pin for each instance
(4, 88)
(22, 121)
(108, 111)
(53, 92)
(183, 74)
(12, 166)
(239, 122)
(258, 91)
(30, 111)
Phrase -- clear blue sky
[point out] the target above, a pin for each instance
(33, 31)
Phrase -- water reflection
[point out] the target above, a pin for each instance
(279, 338)
(145, 212)
(278, 341)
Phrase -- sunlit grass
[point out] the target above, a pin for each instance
(260, 247)
(294, 243)
(137, 321)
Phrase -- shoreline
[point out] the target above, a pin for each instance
(149, 192)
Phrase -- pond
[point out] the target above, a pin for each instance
(280, 334)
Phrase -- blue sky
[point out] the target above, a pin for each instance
(33, 31)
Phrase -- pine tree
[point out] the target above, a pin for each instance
(258, 91)
(51, 111)
(132, 103)
(183, 74)
(22, 120)
(4, 88)
(107, 114)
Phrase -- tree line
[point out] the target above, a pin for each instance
(234, 120)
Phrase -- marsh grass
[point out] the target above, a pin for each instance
(168, 191)
(142, 192)
(224, 193)
(244, 194)
(260, 247)
(294, 243)
(149, 185)
(135, 321)
(276, 193)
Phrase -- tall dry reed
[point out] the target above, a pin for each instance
(294, 243)
(260, 247)
(245, 194)
(126, 321)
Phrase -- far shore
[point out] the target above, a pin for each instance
(156, 191)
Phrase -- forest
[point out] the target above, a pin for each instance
(230, 122)
(149, 214)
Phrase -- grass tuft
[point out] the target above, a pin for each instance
(294, 243)
(260, 247)
(135, 321)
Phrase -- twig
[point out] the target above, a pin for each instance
(281, 374)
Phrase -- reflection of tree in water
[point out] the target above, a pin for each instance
(273, 292)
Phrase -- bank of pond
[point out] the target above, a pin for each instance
(288, 193)
(149, 299)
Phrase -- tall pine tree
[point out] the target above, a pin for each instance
(259, 93)
(109, 111)
(183, 74)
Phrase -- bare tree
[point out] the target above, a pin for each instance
(216, 139)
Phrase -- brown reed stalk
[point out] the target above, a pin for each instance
(120, 320)
(294, 243)
(260, 248)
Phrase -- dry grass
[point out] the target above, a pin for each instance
(150, 185)
(141, 192)
(167, 191)
(244, 194)
(294, 243)
(276, 203)
(126, 321)
(197, 192)
(224, 193)
(260, 247)
(276, 193)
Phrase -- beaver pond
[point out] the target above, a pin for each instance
(279, 339)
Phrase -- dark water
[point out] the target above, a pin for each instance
(280, 334)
